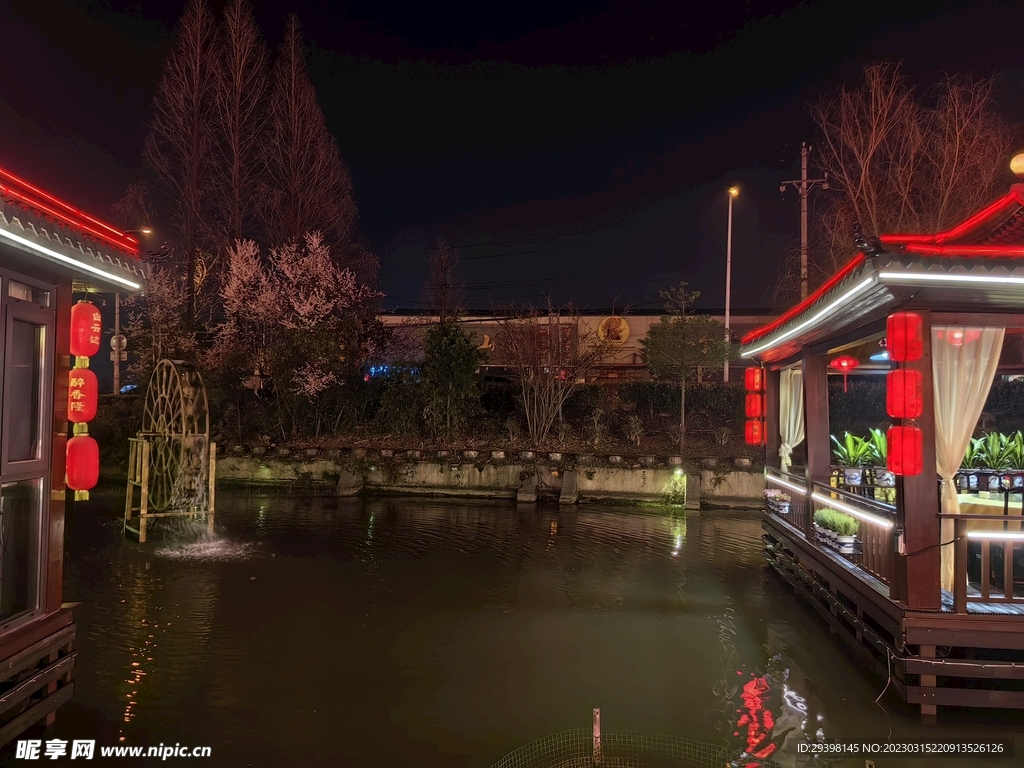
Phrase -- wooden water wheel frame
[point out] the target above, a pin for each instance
(177, 424)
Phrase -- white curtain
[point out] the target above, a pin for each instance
(791, 413)
(964, 363)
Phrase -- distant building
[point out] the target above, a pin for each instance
(624, 332)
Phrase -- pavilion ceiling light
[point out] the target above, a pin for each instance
(814, 318)
(69, 261)
(859, 514)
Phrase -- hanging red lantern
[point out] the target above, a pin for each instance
(959, 336)
(86, 329)
(904, 338)
(754, 379)
(905, 449)
(755, 406)
(903, 394)
(83, 463)
(83, 395)
(754, 432)
(844, 363)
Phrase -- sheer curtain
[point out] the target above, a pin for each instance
(964, 363)
(791, 413)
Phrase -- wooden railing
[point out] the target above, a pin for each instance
(795, 486)
(874, 538)
(1000, 575)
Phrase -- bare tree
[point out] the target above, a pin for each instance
(179, 144)
(901, 163)
(444, 287)
(135, 209)
(308, 186)
(549, 354)
(240, 97)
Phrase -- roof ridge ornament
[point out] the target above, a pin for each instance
(869, 246)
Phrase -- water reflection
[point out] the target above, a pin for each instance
(328, 632)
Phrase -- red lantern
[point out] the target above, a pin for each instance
(903, 394)
(904, 337)
(83, 394)
(905, 447)
(754, 379)
(754, 432)
(755, 406)
(959, 336)
(86, 328)
(83, 463)
(844, 363)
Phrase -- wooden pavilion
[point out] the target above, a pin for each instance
(933, 595)
(47, 250)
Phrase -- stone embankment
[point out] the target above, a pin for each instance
(526, 476)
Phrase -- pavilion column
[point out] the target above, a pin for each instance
(773, 440)
(916, 574)
(816, 425)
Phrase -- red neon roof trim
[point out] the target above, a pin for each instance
(986, 213)
(926, 249)
(855, 262)
(32, 197)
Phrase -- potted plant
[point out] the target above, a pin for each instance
(846, 532)
(822, 525)
(1015, 458)
(879, 455)
(853, 453)
(777, 500)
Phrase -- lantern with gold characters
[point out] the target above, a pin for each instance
(83, 455)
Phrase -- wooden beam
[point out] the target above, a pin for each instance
(849, 337)
(816, 426)
(22, 690)
(920, 498)
(772, 406)
(30, 656)
(988, 670)
(55, 504)
(37, 713)
(980, 319)
(964, 697)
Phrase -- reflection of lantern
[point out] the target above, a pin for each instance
(905, 447)
(754, 379)
(754, 432)
(844, 363)
(903, 394)
(959, 336)
(83, 463)
(755, 406)
(86, 328)
(903, 337)
(83, 394)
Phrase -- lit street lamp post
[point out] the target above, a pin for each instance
(733, 191)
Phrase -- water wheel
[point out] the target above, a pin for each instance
(177, 424)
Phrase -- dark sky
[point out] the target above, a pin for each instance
(581, 150)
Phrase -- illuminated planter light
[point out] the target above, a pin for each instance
(83, 395)
(83, 463)
(86, 328)
(905, 449)
(844, 363)
(754, 379)
(903, 394)
(904, 339)
(755, 406)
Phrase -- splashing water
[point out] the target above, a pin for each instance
(208, 549)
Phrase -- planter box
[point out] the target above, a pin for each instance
(845, 544)
(780, 507)
(884, 478)
(853, 475)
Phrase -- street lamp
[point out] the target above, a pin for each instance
(733, 192)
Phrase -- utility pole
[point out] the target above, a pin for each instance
(804, 185)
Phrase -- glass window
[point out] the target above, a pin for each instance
(25, 292)
(23, 396)
(19, 551)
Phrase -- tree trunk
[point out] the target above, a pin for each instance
(682, 413)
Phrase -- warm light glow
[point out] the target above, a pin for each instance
(946, 278)
(734, 191)
(1017, 164)
(68, 260)
(813, 319)
(146, 231)
(865, 516)
(786, 484)
(1001, 535)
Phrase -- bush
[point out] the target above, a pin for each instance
(118, 418)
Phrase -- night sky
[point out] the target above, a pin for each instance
(577, 150)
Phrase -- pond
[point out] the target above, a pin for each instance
(326, 632)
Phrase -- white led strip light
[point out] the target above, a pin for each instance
(784, 484)
(865, 516)
(68, 260)
(1002, 535)
(951, 278)
(811, 320)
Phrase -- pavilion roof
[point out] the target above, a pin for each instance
(977, 265)
(44, 226)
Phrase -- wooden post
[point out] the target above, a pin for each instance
(919, 500)
(597, 736)
(772, 407)
(56, 496)
(144, 494)
(928, 711)
(816, 426)
(213, 489)
(960, 567)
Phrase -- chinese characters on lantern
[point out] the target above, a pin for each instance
(754, 432)
(83, 454)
